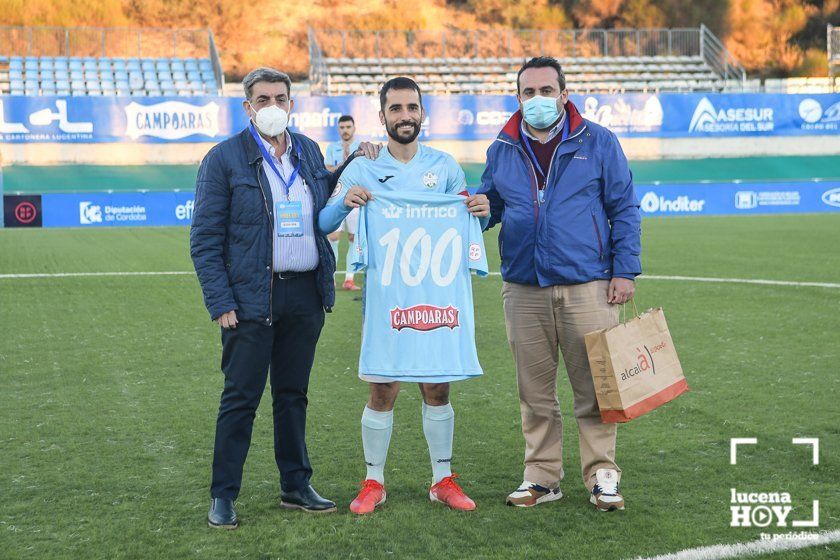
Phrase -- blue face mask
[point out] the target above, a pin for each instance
(540, 112)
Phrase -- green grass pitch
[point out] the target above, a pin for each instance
(110, 387)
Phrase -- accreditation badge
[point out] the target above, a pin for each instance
(288, 217)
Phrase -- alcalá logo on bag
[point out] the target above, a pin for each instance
(644, 361)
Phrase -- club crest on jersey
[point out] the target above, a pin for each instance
(430, 180)
(424, 317)
(337, 190)
(475, 252)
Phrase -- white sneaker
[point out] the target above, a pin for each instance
(605, 494)
(529, 494)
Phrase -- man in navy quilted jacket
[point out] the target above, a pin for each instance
(266, 273)
(570, 241)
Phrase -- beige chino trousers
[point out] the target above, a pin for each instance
(539, 321)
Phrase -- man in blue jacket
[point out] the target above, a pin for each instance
(266, 273)
(570, 241)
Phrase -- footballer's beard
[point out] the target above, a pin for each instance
(393, 132)
(346, 137)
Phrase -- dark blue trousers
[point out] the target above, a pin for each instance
(284, 352)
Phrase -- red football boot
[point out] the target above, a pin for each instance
(371, 495)
(449, 493)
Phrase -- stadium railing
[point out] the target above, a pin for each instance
(482, 61)
(108, 61)
(833, 52)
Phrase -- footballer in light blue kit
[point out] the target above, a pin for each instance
(406, 173)
(336, 154)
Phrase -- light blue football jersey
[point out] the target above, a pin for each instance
(335, 152)
(418, 249)
(430, 170)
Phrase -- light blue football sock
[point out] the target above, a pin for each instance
(376, 436)
(439, 427)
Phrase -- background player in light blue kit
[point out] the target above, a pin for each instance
(336, 154)
(406, 165)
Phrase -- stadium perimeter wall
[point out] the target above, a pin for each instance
(125, 131)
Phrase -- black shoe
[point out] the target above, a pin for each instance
(307, 499)
(222, 515)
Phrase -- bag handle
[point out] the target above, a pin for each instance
(624, 310)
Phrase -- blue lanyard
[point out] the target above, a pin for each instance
(532, 155)
(267, 158)
(530, 151)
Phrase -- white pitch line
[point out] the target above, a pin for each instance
(752, 548)
(88, 274)
(742, 281)
(760, 281)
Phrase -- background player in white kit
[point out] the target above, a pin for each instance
(403, 166)
(337, 152)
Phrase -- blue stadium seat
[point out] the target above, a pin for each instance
(91, 75)
(194, 75)
(106, 76)
(75, 65)
(15, 91)
(16, 84)
(190, 64)
(108, 88)
(62, 92)
(60, 63)
(88, 59)
(181, 84)
(48, 90)
(136, 82)
(149, 75)
(132, 64)
(151, 84)
(120, 75)
(162, 65)
(169, 93)
(179, 76)
(167, 85)
(31, 84)
(177, 65)
(31, 65)
(46, 63)
(196, 85)
(164, 76)
(104, 64)
(77, 85)
(47, 75)
(77, 75)
(62, 84)
(62, 75)
(147, 65)
(89, 65)
(205, 64)
(207, 75)
(210, 85)
(93, 85)
(15, 63)
(123, 87)
(119, 64)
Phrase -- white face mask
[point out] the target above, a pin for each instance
(271, 120)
